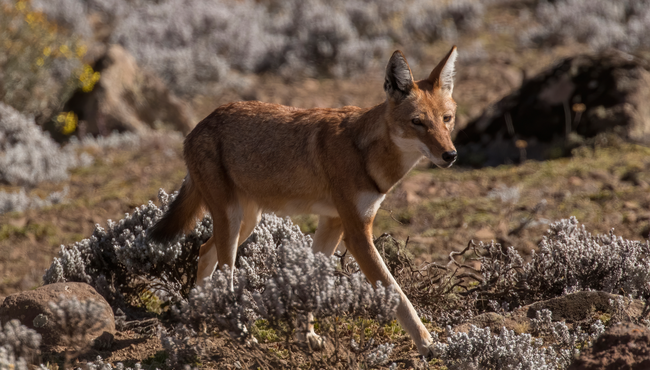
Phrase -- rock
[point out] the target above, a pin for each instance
(580, 306)
(128, 98)
(494, 321)
(579, 98)
(574, 308)
(31, 308)
(622, 346)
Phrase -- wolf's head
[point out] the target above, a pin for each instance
(421, 114)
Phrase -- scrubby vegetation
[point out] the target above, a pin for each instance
(30, 155)
(19, 345)
(601, 24)
(41, 64)
(119, 263)
(480, 349)
(569, 259)
(199, 44)
(208, 41)
(278, 281)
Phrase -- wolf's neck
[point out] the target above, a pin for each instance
(387, 160)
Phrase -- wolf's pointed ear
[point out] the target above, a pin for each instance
(442, 77)
(399, 79)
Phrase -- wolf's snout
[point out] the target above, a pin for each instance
(449, 156)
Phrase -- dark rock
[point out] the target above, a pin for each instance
(32, 310)
(553, 112)
(622, 347)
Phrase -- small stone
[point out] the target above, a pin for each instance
(40, 320)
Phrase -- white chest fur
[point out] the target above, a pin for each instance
(368, 203)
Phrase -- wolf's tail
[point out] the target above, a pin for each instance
(180, 216)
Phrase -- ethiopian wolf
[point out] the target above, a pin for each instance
(246, 158)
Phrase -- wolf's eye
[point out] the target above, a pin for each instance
(446, 118)
(417, 122)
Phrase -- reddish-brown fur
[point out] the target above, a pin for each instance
(250, 157)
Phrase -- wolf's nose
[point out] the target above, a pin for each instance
(449, 156)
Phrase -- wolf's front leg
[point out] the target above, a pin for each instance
(359, 242)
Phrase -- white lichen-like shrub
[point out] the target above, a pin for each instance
(480, 349)
(569, 259)
(622, 24)
(280, 278)
(380, 355)
(66, 13)
(28, 155)
(8, 361)
(196, 42)
(77, 321)
(566, 342)
(119, 262)
(20, 201)
(19, 345)
(99, 364)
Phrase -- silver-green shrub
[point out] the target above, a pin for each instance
(20, 201)
(572, 259)
(67, 13)
(278, 275)
(119, 262)
(191, 44)
(8, 361)
(280, 278)
(77, 321)
(18, 346)
(29, 156)
(480, 349)
(622, 24)
(380, 355)
(569, 259)
(99, 364)
(566, 342)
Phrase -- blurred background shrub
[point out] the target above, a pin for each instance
(602, 24)
(41, 63)
(192, 43)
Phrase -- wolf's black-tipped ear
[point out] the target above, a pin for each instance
(399, 79)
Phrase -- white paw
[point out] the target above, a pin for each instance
(429, 351)
(315, 342)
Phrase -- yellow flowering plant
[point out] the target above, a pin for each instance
(41, 65)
